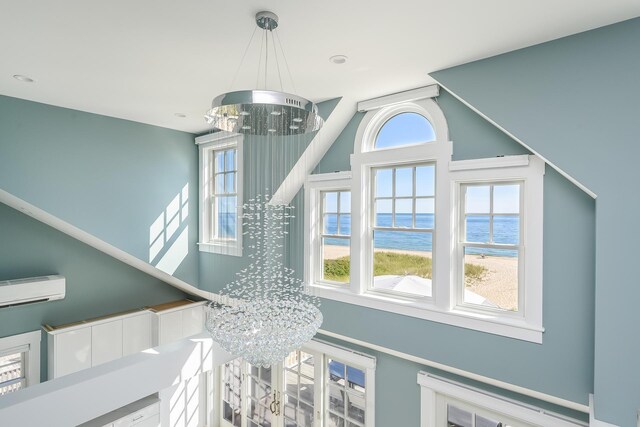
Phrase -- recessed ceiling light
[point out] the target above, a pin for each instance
(297, 120)
(245, 127)
(22, 78)
(338, 59)
(276, 113)
(180, 115)
(293, 127)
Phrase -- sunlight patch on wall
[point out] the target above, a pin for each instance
(169, 234)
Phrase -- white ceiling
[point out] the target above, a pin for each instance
(145, 60)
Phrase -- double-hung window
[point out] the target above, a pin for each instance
(221, 193)
(320, 385)
(328, 230)
(19, 362)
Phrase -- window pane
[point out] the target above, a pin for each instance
(330, 224)
(355, 379)
(336, 371)
(345, 224)
(477, 228)
(506, 198)
(230, 182)
(404, 213)
(425, 180)
(230, 160)
(491, 278)
(330, 202)
(336, 260)
(226, 217)
(335, 421)
(219, 183)
(425, 213)
(345, 202)
(478, 199)
(305, 415)
(405, 129)
(486, 422)
(457, 417)
(336, 399)
(383, 182)
(383, 213)
(404, 182)
(506, 229)
(402, 262)
(219, 162)
(355, 408)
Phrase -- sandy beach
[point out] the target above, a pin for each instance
(498, 284)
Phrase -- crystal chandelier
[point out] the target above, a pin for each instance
(265, 112)
(268, 313)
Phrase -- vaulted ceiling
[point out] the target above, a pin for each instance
(146, 60)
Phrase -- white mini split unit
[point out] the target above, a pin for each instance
(32, 290)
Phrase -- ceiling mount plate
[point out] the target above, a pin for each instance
(267, 20)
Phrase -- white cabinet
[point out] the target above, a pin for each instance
(71, 351)
(106, 342)
(89, 343)
(142, 413)
(136, 334)
(177, 320)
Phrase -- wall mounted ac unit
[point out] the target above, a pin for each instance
(31, 290)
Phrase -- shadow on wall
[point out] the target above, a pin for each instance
(169, 234)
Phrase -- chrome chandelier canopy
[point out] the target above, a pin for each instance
(265, 112)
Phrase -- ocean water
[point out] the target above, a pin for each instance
(505, 230)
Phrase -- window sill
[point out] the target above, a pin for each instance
(484, 322)
(221, 248)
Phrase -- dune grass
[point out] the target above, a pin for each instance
(393, 263)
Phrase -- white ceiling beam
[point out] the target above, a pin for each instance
(326, 136)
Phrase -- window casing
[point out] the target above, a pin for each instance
(221, 193)
(19, 362)
(328, 229)
(447, 403)
(449, 301)
(321, 385)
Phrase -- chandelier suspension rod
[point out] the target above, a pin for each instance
(244, 55)
(286, 63)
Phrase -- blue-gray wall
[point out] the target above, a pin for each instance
(97, 284)
(562, 366)
(112, 178)
(575, 101)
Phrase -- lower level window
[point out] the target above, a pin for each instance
(446, 403)
(310, 388)
(19, 362)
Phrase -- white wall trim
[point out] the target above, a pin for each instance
(434, 385)
(317, 148)
(89, 239)
(456, 371)
(430, 91)
(519, 141)
(490, 163)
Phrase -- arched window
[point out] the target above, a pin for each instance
(400, 151)
(404, 129)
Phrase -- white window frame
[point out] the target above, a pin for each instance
(435, 390)
(319, 349)
(442, 306)
(29, 343)
(206, 144)
(314, 186)
(529, 171)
